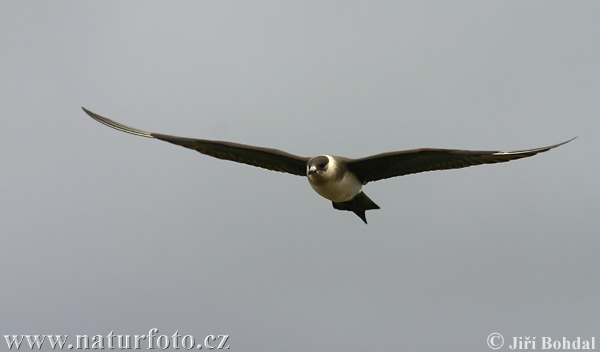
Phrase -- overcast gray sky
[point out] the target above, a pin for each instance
(104, 231)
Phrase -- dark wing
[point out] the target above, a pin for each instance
(271, 159)
(405, 162)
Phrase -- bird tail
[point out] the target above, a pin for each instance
(359, 204)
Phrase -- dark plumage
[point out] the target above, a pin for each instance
(336, 178)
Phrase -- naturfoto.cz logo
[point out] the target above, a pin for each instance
(123, 342)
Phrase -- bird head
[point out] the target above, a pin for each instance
(317, 166)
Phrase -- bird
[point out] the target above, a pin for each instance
(338, 179)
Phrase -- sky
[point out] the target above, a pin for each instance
(104, 231)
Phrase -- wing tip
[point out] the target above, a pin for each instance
(559, 144)
(535, 150)
(117, 126)
(565, 142)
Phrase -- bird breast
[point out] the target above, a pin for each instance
(333, 187)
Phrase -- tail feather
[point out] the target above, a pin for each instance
(359, 204)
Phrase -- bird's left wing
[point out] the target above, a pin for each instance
(272, 159)
(386, 165)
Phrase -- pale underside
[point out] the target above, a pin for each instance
(336, 189)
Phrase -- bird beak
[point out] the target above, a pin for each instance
(312, 170)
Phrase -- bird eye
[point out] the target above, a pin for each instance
(322, 165)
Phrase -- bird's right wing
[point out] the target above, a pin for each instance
(271, 159)
(386, 165)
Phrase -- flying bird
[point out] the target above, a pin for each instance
(337, 178)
